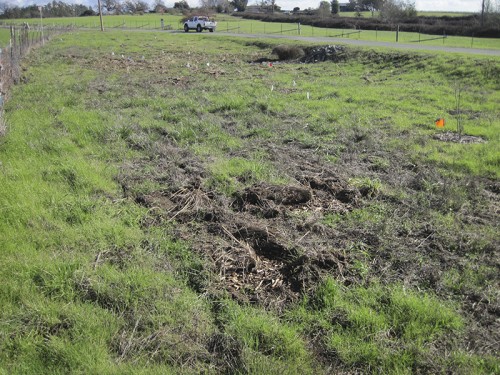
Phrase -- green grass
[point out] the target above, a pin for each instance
(362, 324)
(94, 282)
(4, 37)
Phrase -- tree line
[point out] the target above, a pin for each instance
(53, 9)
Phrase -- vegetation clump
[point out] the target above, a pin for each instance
(288, 52)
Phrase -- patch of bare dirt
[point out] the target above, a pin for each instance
(266, 243)
(458, 138)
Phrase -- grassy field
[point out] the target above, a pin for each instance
(4, 37)
(184, 203)
(237, 25)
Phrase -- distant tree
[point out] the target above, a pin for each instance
(208, 4)
(222, 6)
(353, 5)
(490, 13)
(309, 11)
(335, 7)
(181, 5)
(296, 10)
(239, 5)
(324, 9)
(52, 9)
(142, 6)
(5, 5)
(11, 12)
(159, 6)
(273, 5)
(111, 6)
(135, 6)
(269, 5)
(485, 9)
(129, 6)
(396, 10)
(372, 5)
(88, 13)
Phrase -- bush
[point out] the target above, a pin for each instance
(285, 52)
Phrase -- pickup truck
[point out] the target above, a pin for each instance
(199, 23)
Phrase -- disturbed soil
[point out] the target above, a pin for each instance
(266, 243)
(271, 244)
(458, 138)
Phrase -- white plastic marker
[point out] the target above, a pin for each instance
(308, 95)
(294, 84)
(272, 87)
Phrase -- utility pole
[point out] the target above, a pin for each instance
(100, 13)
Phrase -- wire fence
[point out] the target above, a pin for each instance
(22, 40)
(257, 27)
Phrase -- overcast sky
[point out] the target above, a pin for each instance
(445, 5)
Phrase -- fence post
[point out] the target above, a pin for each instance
(298, 27)
(472, 40)
(12, 47)
(397, 34)
(281, 28)
(444, 36)
(376, 33)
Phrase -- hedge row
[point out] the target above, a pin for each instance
(464, 26)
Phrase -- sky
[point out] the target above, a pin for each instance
(433, 5)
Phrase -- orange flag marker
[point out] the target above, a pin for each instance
(440, 123)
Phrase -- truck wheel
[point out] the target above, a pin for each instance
(198, 28)
(186, 28)
(211, 30)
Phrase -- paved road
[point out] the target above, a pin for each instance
(367, 43)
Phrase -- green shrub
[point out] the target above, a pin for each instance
(288, 52)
